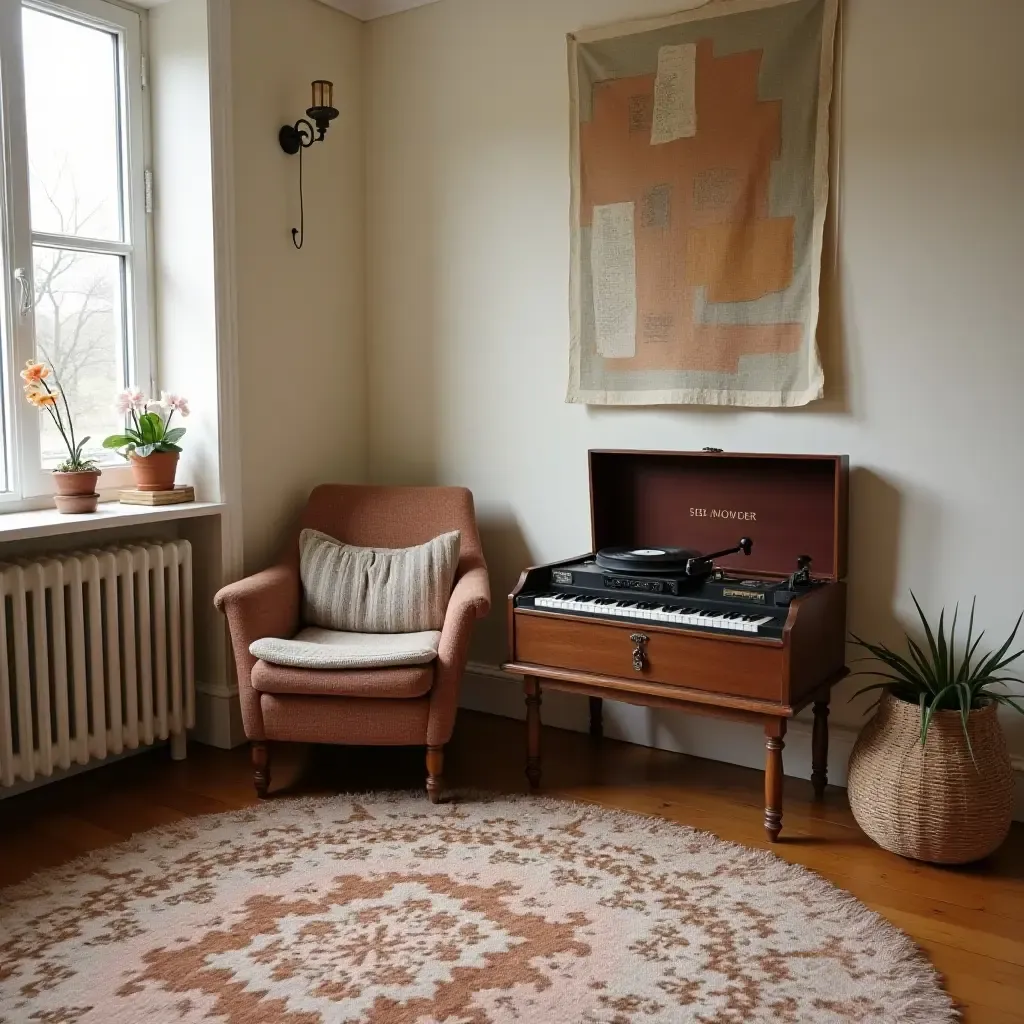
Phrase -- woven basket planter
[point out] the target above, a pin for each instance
(932, 803)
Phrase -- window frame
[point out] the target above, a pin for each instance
(28, 482)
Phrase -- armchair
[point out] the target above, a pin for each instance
(410, 705)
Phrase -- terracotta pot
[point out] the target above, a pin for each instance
(155, 472)
(934, 803)
(76, 504)
(80, 483)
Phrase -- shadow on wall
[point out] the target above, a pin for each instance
(507, 555)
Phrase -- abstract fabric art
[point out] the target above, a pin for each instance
(700, 184)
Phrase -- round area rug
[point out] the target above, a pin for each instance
(387, 910)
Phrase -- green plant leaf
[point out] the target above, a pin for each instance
(952, 644)
(942, 661)
(965, 665)
(151, 427)
(929, 710)
(925, 668)
(966, 697)
(975, 645)
(1006, 701)
(893, 660)
(897, 680)
(932, 646)
(117, 441)
(995, 661)
(868, 689)
(174, 435)
(145, 449)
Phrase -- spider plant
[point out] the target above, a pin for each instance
(945, 677)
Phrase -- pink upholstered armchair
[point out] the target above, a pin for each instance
(410, 705)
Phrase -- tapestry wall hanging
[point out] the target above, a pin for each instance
(699, 188)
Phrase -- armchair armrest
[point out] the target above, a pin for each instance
(266, 604)
(472, 594)
(470, 600)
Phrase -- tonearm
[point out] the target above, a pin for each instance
(703, 564)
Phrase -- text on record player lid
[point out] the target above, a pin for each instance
(789, 505)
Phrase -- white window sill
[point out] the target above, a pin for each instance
(48, 522)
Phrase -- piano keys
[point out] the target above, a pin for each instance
(691, 613)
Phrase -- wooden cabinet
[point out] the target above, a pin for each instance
(790, 505)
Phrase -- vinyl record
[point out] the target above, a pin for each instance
(653, 559)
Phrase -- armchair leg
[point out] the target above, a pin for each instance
(435, 773)
(261, 768)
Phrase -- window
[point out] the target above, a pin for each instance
(73, 210)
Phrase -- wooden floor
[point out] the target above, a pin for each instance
(970, 921)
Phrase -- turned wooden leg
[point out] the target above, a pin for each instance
(774, 730)
(532, 685)
(596, 717)
(435, 773)
(261, 768)
(819, 749)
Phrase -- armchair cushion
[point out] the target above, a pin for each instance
(376, 590)
(396, 683)
(316, 648)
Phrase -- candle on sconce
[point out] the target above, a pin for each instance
(323, 94)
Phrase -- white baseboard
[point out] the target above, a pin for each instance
(487, 688)
(218, 718)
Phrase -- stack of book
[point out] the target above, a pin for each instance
(179, 494)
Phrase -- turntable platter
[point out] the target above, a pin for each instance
(667, 560)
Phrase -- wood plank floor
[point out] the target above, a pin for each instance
(970, 921)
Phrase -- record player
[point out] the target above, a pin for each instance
(678, 571)
(669, 560)
(714, 584)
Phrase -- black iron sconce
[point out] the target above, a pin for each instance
(294, 138)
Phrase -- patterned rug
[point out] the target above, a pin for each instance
(386, 910)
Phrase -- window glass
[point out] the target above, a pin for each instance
(80, 334)
(72, 106)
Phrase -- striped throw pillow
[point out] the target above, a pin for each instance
(376, 590)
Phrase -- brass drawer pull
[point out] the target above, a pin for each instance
(639, 654)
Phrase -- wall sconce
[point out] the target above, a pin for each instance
(294, 138)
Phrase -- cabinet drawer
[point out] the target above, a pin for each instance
(697, 662)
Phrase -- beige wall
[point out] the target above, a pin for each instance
(468, 240)
(302, 378)
(185, 299)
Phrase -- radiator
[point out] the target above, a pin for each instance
(96, 656)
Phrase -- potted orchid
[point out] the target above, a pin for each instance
(76, 476)
(149, 442)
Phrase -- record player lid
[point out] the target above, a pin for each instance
(790, 505)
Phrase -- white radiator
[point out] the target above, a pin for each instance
(95, 656)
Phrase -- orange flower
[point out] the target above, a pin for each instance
(35, 372)
(38, 397)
